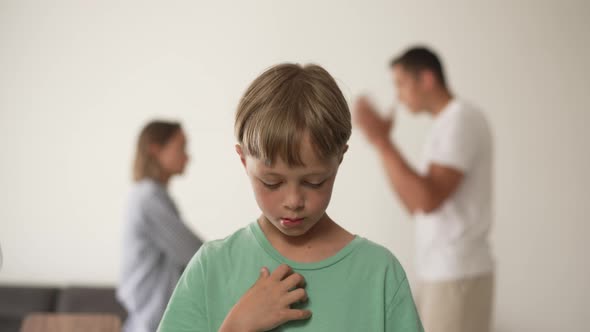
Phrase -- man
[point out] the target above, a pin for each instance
(449, 196)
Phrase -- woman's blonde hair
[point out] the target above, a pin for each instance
(286, 102)
(155, 132)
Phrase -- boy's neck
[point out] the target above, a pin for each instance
(322, 241)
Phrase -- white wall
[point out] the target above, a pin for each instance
(78, 79)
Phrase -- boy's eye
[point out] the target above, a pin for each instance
(313, 184)
(271, 185)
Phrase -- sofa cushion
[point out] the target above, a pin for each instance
(89, 300)
(17, 302)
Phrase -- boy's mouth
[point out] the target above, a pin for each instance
(288, 222)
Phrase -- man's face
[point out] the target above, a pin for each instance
(409, 88)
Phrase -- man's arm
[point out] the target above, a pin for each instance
(417, 193)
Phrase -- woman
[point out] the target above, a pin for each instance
(157, 244)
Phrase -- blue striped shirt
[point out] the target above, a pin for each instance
(157, 245)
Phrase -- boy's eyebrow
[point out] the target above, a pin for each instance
(308, 174)
(271, 174)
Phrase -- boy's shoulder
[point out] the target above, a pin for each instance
(380, 261)
(375, 252)
(238, 240)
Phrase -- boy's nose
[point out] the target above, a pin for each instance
(294, 200)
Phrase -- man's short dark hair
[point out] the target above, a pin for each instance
(417, 59)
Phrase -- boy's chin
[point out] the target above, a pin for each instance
(290, 231)
(296, 231)
(293, 232)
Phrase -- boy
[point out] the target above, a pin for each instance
(292, 127)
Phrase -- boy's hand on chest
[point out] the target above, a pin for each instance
(267, 304)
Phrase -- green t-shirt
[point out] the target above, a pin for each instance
(361, 288)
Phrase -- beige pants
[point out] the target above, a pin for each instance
(463, 305)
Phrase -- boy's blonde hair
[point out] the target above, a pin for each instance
(286, 102)
(155, 132)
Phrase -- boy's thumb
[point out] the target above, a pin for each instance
(264, 272)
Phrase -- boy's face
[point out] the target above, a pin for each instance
(292, 199)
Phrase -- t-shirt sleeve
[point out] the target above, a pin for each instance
(456, 141)
(400, 311)
(187, 310)
(401, 314)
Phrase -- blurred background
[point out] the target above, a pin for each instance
(78, 79)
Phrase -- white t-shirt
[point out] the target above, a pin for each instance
(452, 241)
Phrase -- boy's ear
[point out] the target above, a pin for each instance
(241, 154)
(342, 154)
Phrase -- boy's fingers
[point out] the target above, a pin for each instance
(294, 280)
(281, 272)
(264, 272)
(297, 295)
(297, 314)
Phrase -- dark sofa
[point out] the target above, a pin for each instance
(18, 301)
